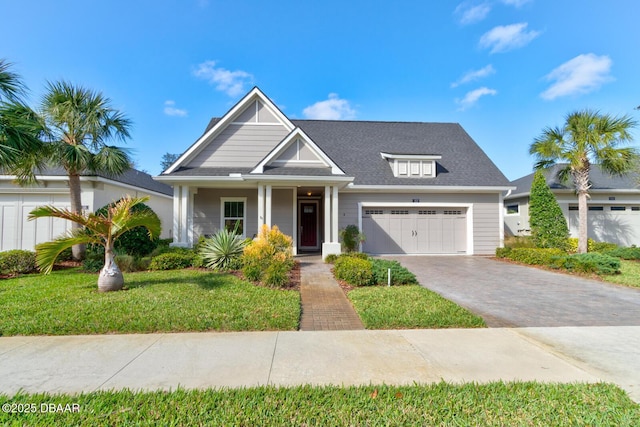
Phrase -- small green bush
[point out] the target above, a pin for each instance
(535, 256)
(592, 263)
(592, 245)
(399, 274)
(353, 270)
(142, 264)
(631, 253)
(172, 260)
(276, 274)
(126, 263)
(351, 238)
(360, 255)
(17, 261)
(330, 259)
(503, 252)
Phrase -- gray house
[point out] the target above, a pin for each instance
(412, 188)
(613, 206)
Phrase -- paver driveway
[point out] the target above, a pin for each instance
(508, 295)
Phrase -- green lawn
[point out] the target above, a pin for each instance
(410, 306)
(495, 404)
(630, 274)
(68, 303)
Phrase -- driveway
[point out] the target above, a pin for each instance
(509, 295)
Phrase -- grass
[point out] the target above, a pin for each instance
(494, 404)
(629, 274)
(68, 303)
(407, 307)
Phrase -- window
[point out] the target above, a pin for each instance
(596, 208)
(233, 213)
(412, 165)
(573, 207)
(635, 208)
(513, 209)
(618, 208)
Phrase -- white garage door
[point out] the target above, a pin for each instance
(414, 230)
(16, 232)
(618, 224)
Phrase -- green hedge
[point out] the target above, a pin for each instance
(399, 274)
(535, 256)
(172, 260)
(355, 271)
(631, 253)
(17, 261)
(590, 263)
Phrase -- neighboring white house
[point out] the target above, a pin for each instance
(16, 232)
(614, 206)
(412, 188)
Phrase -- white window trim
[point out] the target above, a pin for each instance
(506, 209)
(244, 211)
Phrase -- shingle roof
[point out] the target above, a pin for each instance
(132, 177)
(600, 180)
(356, 147)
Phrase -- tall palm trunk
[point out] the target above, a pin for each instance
(111, 278)
(581, 181)
(75, 192)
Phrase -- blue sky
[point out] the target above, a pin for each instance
(503, 69)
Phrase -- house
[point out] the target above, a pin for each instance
(98, 190)
(613, 206)
(412, 188)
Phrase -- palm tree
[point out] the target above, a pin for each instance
(80, 122)
(20, 127)
(98, 229)
(586, 138)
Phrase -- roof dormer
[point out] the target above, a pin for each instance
(412, 165)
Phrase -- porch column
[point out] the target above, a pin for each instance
(295, 221)
(180, 215)
(327, 214)
(267, 216)
(260, 206)
(334, 214)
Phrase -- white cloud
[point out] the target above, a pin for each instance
(171, 110)
(515, 3)
(473, 75)
(471, 98)
(470, 13)
(507, 37)
(333, 108)
(582, 74)
(231, 82)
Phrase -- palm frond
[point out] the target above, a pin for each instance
(112, 160)
(11, 86)
(52, 211)
(48, 252)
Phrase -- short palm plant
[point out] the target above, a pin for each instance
(102, 229)
(221, 250)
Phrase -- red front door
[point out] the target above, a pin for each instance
(309, 224)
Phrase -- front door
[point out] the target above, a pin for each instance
(309, 225)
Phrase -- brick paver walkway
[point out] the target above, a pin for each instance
(324, 304)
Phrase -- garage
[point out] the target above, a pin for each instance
(16, 232)
(619, 224)
(421, 230)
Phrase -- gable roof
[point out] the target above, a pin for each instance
(600, 181)
(217, 125)
(132, 177)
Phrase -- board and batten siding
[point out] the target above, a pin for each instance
(240, 145)
(486, 212)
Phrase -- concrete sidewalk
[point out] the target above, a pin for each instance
(74, 364)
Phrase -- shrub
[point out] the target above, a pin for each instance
(360, 255)
(17, 261)
(136, 241)
(354, 271)
(331, 258)
(592, 245)
(221, 250)
(592, 263)
(126, 263)
(547, 222)
(270, 247)
(535, 256)
(351, 238)
(631, 253)
(399, 274)
(172, 260)
(503, 252)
